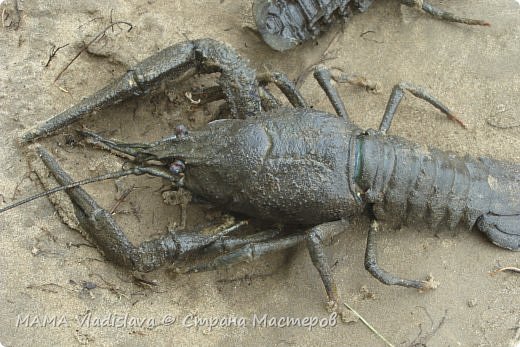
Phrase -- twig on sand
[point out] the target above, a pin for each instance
(388, 343)
(85, 47)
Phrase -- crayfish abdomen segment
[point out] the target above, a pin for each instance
(407, 184)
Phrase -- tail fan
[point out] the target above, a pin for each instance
(502, 230)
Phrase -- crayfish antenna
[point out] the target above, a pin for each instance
(112, 175)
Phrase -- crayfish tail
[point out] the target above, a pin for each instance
(503, 231)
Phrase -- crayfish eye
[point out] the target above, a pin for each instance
(177, 167)
(181, 131)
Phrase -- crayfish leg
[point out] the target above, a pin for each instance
(286, 86)
(442, 14)
(384, 276)
(315, 239)
(251, 251)
(397, 95)
(323, 76)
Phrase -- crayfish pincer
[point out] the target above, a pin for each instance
(289, 165)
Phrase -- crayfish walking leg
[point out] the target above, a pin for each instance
(323, 77)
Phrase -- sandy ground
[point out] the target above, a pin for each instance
(49, 270)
